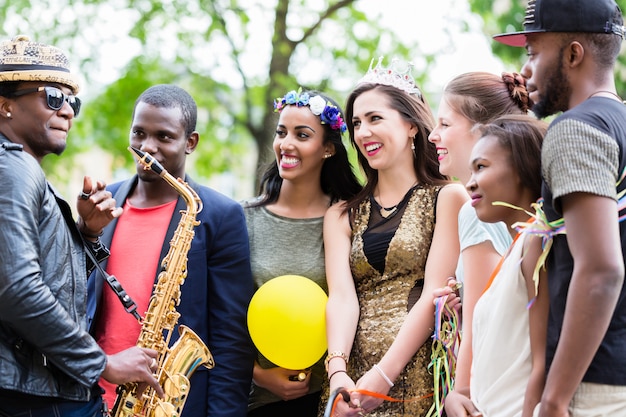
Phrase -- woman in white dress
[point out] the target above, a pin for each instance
(510, 318)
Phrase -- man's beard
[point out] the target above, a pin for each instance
(557, 92)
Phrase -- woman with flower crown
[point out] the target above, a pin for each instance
(387, 249)
(310, 172)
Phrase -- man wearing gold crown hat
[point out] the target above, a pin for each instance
(49, 364)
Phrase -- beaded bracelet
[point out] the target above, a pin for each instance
(333, 355)
(383, 375)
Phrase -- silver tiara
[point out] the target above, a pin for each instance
(398, 75)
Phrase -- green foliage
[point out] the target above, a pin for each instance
(501, 16)
(233, 56)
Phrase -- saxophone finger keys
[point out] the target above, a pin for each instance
(153, 364)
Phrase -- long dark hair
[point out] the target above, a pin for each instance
(337, 177)
(417, 112)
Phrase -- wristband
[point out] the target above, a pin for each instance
(383, 375)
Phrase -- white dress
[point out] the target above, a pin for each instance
(501, 363)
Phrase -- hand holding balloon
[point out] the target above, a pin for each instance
(287, 321)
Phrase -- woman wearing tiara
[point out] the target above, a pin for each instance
(385, 247)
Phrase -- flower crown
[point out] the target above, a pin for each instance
(329, 113)
(396, 75)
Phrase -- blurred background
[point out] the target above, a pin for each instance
(236, 56)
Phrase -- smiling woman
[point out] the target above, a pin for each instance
(310, 171)
(380, 311)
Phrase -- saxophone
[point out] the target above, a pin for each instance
(178, 363)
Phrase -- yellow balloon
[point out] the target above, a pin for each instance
(287, 321)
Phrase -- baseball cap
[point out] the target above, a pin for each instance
(23, 60)
(591, 16)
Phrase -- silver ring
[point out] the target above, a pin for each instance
(84, 196)
(153, 364)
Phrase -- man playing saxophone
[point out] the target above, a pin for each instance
(218, 286)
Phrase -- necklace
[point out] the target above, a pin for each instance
(606, 92)
(386, 212)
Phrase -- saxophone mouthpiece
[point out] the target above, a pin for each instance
(147, 160)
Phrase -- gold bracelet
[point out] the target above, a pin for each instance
(333, 355)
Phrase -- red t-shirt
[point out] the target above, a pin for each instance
(135, 251)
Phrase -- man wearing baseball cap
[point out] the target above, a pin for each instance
(572, 48)
(49, 364)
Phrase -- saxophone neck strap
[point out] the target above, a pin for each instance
(129, 304)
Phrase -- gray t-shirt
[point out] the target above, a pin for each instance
(284, 246)
(584, 151)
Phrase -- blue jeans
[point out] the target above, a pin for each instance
(93, 408)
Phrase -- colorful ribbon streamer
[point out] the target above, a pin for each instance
(445, 348)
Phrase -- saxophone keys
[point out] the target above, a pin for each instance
(176, 386)
(165, 409)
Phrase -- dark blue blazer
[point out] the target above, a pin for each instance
(214, 299)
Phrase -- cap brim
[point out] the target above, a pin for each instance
(49, 76)
(515, 38)
(511, 39)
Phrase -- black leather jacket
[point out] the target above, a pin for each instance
(45, 349)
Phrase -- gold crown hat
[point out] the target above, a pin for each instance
(23, 60)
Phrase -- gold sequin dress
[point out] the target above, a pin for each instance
(402, 240)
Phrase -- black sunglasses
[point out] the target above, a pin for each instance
(54, 97)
